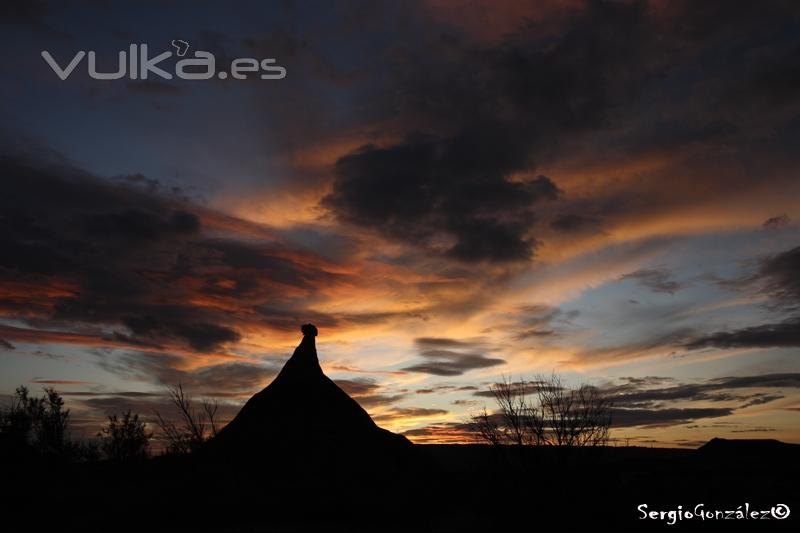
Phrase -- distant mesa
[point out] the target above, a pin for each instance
(747, 448)
(305, 415)
(718, 443)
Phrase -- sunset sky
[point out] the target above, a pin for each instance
(453, 191)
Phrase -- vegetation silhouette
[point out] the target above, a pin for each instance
(303, 454)
(195, 426)
(544, 412)
(125, 438)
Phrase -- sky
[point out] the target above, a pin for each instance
(454, 191)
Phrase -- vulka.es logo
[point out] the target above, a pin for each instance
(135, 63)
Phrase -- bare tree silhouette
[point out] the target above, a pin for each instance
(485, 428)
(544, 412)
(195, 426)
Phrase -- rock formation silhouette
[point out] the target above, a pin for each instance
(742, 449)
(304, 415)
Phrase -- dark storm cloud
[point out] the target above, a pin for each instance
(153, 186)
(498, 112)
(148, 406)
(577, 224)
(452, 193)
(229, 378)
(374, 400)
(648, 394)
(136, 256)
(453, 364)
(478, 218)
(763, 399)
(224, 379)
(779, 335)
(444, 343)
(480, 119)
(763, 380)
(368, 393)
(358, 387)
(445, 357)
(778, 278)
(775, 278)
(137, 226)
(656, 279)
(779, 221)
(663, 417)
(200, 336)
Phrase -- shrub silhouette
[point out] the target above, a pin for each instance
(37, 423)
(125, 438)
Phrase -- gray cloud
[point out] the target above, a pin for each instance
(531, 94)
(655, 279)
(451, 357)
(483, 119)
(368, 393)
(779, 221)
(648, 392)
(452, 363)
(141, 258)
(663, 417)
(572, 223)
(537, 321)
(223, 380)
(446, 388)
(779, 335)
(777, 277)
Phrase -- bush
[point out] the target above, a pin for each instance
(40, 423)
(125, 438)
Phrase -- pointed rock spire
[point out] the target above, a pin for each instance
(302, 409)
(303, 364)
